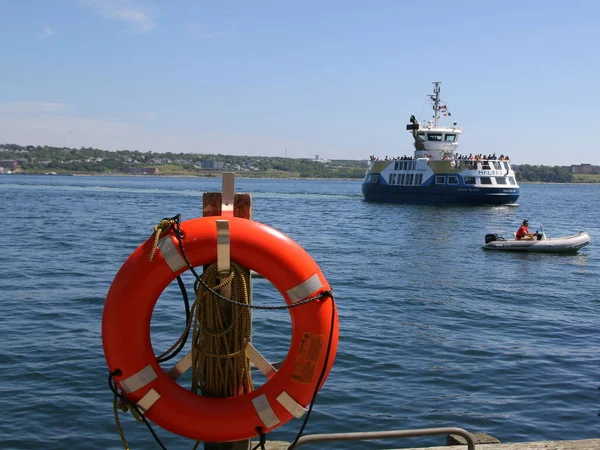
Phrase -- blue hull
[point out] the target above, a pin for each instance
(439, 195)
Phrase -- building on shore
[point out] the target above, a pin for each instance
(9, 164)
(585, 169)
(215, 165)
(139, 170)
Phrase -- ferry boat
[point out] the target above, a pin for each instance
(437, 173)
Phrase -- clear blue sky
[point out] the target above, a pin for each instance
(335, 78)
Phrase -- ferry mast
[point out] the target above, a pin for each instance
(435, 97)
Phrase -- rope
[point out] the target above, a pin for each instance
(179, 236)
(262, 441)
(178, 346)
(118, 423)
(221, 332)
(121, 402)
(163, 227)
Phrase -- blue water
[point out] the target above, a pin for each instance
(434, 331)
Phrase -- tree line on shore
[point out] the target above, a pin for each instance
(44, 159)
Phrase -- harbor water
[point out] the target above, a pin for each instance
(434, 331)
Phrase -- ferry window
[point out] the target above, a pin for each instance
(393, 179)
(403, 167)
(434, 136)
(439, 179)
(469, 180)
(396, 163)
(497, 165)
(419, 179)
(410, 179)
(511, 180)
(390, 179)
(450, 138)
(500, 180)
(368, 178)
(401, 179)
(486, 165)
(374, 178)
(506, 166)
(452, 179)
(486, 180)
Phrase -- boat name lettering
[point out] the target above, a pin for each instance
(467, 189)
(490, 172)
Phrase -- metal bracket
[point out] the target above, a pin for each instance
(223, 254)
(223, 248)
(227, 194)
(259, 361)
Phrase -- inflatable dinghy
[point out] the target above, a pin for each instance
(541, 243)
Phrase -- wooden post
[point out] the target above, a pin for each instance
(218, 204)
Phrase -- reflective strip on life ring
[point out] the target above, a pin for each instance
(127, 345)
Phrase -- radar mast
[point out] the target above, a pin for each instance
(435, 97)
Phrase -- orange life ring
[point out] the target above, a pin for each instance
(126, 331)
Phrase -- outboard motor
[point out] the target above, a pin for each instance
(490, 237)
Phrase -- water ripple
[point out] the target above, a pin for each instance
(433, 330)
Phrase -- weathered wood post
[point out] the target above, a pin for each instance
(227, 203)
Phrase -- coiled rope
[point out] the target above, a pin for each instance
(221, 334)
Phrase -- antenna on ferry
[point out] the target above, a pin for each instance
(436, 101)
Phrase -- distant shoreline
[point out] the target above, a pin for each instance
(212, 175)
(245, 175)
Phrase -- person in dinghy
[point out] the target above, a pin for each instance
(523, 232)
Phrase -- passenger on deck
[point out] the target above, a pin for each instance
(523, 231)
